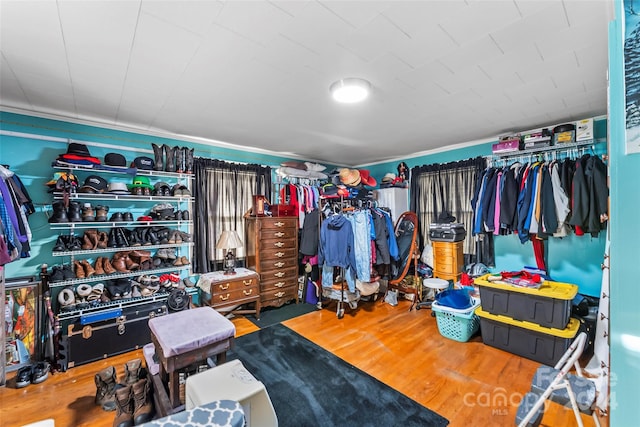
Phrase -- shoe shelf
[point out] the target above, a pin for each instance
(109, 224)
(127, 171)
(120, 303)
(133, 273)
(126, 197)
(123, 249)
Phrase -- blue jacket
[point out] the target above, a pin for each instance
(336, 243)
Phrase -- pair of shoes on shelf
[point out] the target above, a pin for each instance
(32, 374)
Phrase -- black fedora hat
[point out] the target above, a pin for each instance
(78, 149)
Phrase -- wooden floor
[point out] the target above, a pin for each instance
(470, 384)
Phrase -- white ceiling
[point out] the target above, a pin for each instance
(257, 73)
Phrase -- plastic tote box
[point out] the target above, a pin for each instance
(548, 306)
(526, 339)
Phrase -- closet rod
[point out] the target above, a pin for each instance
(541, 150)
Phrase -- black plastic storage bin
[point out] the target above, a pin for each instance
(544, 345)
(548, 306)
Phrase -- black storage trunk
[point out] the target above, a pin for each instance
(447, 232)
(93, 336)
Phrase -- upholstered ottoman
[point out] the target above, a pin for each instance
(219, 413)
(187, 337)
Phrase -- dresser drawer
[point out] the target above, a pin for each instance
(278, 223)
(271, 276)
(224, 287)
(280, 296)
(236, 297)
(278, 233)
(276, 254)
(270, 244)
(276, 263)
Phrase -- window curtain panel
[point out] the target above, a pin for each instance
(223, 193)
(445, 189)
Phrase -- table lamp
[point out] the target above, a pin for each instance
(229, 240)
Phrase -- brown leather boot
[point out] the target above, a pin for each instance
(99, 269)
(79, 270)
(106, 388)
(119, 264)
(103, 238)
(107, 267)
(87, 244)
(124, 407)
(142, 404)
(132, 371)
(130, 264)
(88, 269)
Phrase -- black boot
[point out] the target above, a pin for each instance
(170, 152)
(59, 212)
(158, 154)
(189, 160)
(75, 212)
(60, 245)
(181, 161)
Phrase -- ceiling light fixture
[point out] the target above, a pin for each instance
(350, 90)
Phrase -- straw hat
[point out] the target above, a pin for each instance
(350, 177)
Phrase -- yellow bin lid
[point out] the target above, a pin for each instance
(548, 289)
(569, 332)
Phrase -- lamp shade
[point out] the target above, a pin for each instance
(229, 240)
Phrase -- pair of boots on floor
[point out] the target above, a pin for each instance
(131, 399)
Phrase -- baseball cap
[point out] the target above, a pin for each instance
(115, 159)
(93, 184)
(142, 162)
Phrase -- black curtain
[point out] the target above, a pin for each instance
(442, 190)
(223, 193)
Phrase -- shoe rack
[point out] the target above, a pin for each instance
(180, 240)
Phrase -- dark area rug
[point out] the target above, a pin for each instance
(272, 315)
(311, 387)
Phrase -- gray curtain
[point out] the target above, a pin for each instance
(445, 189)
(223, 194)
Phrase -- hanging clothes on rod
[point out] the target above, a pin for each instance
(15, 207)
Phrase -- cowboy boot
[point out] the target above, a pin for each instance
(180, 159)
(124, 407)
(158, 154)
(132, 371)
(189, 161)
(142, 404)
(170, 165)
(105, 388)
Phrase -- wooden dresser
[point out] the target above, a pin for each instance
(448, 260)
(272, 251)
(222, 290)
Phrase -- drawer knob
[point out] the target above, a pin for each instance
(279, 234)
(279, 254)
(247, 293)
(279, 274)
(279, 264)
(224, 287)
(279, 284)
(279, 224)
(224, 298)
(279, 294)
(278, 244)
(247, 282)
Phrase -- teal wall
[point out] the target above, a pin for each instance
(625, 245)
(572, 259)
(31, 160)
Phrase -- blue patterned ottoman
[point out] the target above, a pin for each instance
(219, 413)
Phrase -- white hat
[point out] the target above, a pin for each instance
(118, 188)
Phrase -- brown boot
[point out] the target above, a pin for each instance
(132, 371)
(87, 244)
(119, 264)
(99, 269)
(142, 404)
(79, 270)
(124, 407)
(130, 264)
(105, 388)
(88, 269)
(107, 267)
(103, 238)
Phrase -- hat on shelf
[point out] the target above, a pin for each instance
(389, 177)
(350, 177)
(77, 154)
(78, 149)
(94, 184)
(143, 162)
(161, 189)
(140, 181)
(116, 187)
(115, 159)
(367, 179)
(294, 164)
